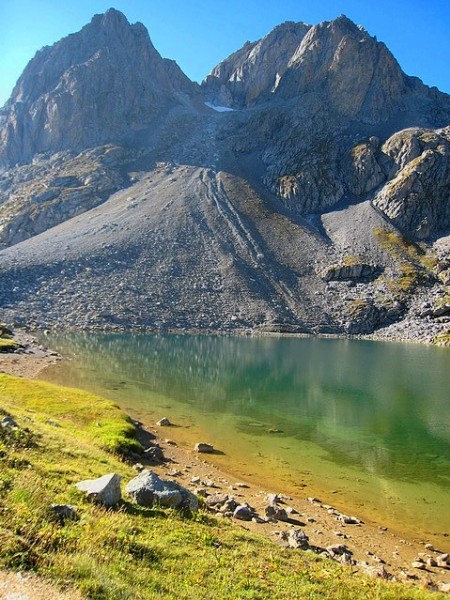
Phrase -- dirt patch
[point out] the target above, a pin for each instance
(19, 586)
(28, 360)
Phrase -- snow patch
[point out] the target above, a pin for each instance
(219, 108)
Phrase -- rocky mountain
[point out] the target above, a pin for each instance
(336, 62)
(104, 83)
(303, 187)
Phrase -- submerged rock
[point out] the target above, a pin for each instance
(203, 447)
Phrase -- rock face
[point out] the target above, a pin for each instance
(102, 84)
(253, 72)
(136, 206)
(416, 199)
(337, 61)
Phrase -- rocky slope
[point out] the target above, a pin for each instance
(320, 203)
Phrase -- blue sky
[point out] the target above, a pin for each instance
(198, 34)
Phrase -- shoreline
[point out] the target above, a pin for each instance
(378, 551)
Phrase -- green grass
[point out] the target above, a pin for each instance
(7, 345)
(442, 339)
(131, 552)
(415, 265)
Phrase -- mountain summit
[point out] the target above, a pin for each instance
(104, 83)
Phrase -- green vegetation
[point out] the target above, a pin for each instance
(134, 553)
(358, 307)
(442, 339)
(351, 261)
(7, 345)
(414, 264)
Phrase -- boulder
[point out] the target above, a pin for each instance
(164, 422)
(104, 490)
(217, 499)
(154, 454)
(273, 511)
(243, 512)
(147, 489)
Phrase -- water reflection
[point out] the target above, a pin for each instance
(383, 408)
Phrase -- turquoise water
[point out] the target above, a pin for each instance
(364, 421)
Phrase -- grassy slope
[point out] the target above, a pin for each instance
(132, 552)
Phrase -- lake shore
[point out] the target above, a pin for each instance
(379, 551)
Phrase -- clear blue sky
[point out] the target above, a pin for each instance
(200, 33)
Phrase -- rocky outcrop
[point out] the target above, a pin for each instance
(361, 167)
(49, 191)
(417, 198)
(253, 72)
(103, 84)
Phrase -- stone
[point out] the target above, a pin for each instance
(443, 561)
(243, 513)
(338, 549)
(272, 499)
(418, 564)
(65, 512)
(154, 453)
(204, 447)
(349, 520)
(9, 422)
(431, 562)
(147, 489)
(378, 572)
(273, 511)
(105, 490)
(164, 422)
(217, 499)
(295, 538)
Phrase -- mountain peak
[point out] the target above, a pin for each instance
(111, 19)
(101, 84)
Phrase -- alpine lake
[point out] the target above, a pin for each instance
(362, 425)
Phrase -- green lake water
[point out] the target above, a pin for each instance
(365, 425)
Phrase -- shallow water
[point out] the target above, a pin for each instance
(366, 424)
